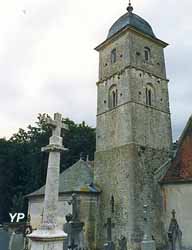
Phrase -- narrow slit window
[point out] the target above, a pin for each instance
(113, 99)
(147, 54)
(149, 97)
(113, 56)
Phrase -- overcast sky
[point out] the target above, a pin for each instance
(47, 61)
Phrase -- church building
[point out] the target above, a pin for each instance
(136, 162)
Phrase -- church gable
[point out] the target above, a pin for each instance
(180, 169)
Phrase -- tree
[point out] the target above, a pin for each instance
(23, 167)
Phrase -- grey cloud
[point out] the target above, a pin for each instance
(75, 96)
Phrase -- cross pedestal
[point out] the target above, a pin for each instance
(48, 236)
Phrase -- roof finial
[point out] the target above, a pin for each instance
(87, 160)
(81, 156)
(130, 8)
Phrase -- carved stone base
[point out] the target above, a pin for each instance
(47, 239)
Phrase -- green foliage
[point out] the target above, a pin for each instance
(23, 167)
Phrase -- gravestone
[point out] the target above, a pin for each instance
(4, 239)
(109, 245)
(174, 234)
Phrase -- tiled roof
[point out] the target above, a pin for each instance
(180, 169)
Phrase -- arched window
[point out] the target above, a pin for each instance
(147, 54)
(113, 56)
(113, 97)
(150, 95)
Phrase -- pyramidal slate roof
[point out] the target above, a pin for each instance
(77, 178)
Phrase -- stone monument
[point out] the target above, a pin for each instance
(148, 243)
(48, 236)
(74, 227)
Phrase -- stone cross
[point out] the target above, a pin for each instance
(49, 235)
(56, 124)
(109, 225)
(75, 237)
(52, 182)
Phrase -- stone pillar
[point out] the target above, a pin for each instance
(48, 236)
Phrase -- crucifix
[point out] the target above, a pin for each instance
(55, 141)
(54, 149)
(57, 124)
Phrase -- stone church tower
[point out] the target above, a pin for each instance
(133, 130)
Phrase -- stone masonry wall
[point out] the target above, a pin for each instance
(130, 51)
(122, 173)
